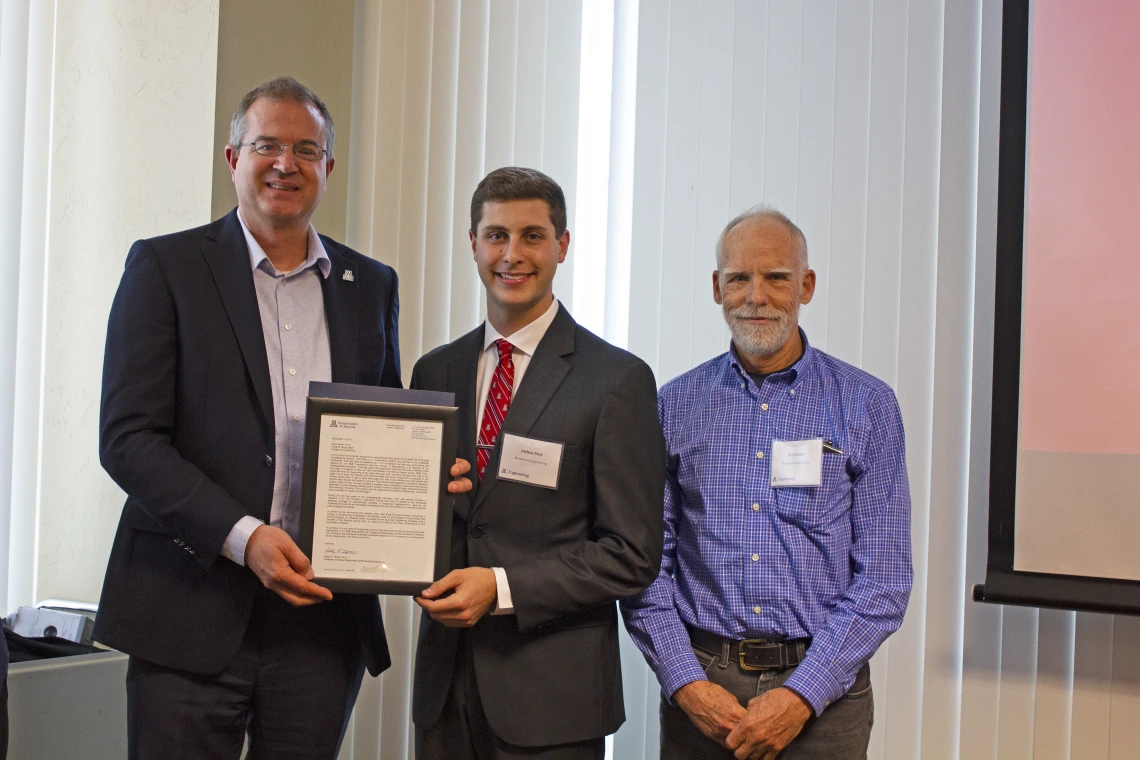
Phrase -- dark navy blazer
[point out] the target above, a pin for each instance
(186, 429)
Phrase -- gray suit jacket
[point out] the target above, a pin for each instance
(551, 673)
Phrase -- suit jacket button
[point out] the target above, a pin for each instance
(268, 461)
(477, 531)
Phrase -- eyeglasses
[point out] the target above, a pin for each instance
(305, 151)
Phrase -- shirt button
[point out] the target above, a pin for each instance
(288, 327)
(764, 407)
(742, 386)
(792, 392)
(756, 609)
(755, 507)
(268, 461)
(759, 454)
(755, 557)
(292, 372)
(296, 418)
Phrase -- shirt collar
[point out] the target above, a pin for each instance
(792, 373)
(526, 339)
(316, 252)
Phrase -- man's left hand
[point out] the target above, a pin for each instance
(459, 484)
(475, 592)
(772, 721)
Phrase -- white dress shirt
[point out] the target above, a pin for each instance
(523, 344)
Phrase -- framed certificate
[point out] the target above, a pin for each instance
(375, 510)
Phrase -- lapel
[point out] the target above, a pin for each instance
(461, 379)
(228, 259)
(543, 375)
(342, 298)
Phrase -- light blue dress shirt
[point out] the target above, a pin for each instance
(296, 334)
(745, 560)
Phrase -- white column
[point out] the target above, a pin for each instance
(27, 389)
(953, 344)
(623, 125)
(13, 86)
(131, 147)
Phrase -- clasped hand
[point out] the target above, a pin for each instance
(474, 591)
(760, 732)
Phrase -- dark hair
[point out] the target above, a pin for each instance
(516, 183)
(285, 89)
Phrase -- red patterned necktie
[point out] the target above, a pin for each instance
(498, 402)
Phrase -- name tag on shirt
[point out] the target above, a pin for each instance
(797, 463)
(531, 461)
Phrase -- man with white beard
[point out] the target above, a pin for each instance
(787, 526)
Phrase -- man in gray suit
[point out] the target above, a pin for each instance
(565, 520)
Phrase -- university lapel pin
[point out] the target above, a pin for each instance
(347, 276)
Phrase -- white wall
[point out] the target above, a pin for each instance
(131, 138)
(251, 51)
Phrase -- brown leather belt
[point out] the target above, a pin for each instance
(752, 654)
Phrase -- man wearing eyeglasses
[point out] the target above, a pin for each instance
(213, 338)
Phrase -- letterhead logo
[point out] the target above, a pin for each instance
(332, 424)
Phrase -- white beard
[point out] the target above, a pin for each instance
(760, 340)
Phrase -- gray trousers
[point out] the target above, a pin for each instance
(842, 732)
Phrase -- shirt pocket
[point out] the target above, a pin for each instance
(815, 506)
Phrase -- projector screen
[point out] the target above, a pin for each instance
(1065, 470)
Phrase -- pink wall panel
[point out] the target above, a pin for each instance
(1081, 332)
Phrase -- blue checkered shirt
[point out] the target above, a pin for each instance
(745, 560)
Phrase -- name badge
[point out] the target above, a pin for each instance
(797, 463)
(531, 461)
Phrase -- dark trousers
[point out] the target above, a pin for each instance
(842, 732)
(463, 733)
(291, 687)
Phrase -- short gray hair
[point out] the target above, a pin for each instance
(768, 213)
(285, 89)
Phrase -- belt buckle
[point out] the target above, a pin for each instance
(769, 654)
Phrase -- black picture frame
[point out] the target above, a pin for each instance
(1003, 584)
(316, 410)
